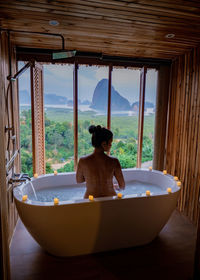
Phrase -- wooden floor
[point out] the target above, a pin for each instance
(169, 257)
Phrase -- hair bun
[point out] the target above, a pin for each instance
(92, 129)
(98, 127)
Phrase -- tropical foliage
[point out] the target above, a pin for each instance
(59, 139)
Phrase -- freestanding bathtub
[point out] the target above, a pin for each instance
(82, 226)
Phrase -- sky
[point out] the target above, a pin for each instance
(58, 79)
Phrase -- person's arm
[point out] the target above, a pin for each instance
(79, 173)
(118, 174)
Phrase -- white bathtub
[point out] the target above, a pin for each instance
(83, 227)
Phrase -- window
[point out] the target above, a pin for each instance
(25, 121)
(92, 103)
(124, 115)
(149, 118)
(78, 95)
(58, 105)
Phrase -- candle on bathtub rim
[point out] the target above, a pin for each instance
(148, 193)
(56, 201)
(55, 172)
(35, 175)
(91, 198)
(119, 195)
(175, 178)
(169, 190)
(150, 168)
(164, 172)
(24, 197)
(179, 183)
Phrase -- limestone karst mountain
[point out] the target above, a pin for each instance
(100, 98)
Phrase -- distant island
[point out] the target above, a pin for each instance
(99, 100)
(118, 102)
(49, 99)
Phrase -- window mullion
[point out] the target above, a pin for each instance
(109, 97)
(75, 109)
(141, 115)
(37, 111)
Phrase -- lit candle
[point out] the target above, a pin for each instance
(24, 197)
(119, 195)
(148, 193)
(175, 178)
(169, 190)
(179, 183)
(150, 168)
(164, 172)
(55, 172)
(56, 201)
(91, 197)
(35, 175)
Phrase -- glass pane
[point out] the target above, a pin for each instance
(25, 121)
(124, 115)
(58, 104)
(92, 103)
(149, 118)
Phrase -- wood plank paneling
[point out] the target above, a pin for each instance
(183, 136)
(10, 100)
(123, 28)
(8, 109)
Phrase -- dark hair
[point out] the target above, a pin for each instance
(99, 135)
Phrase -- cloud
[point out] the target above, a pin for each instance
(58, 79)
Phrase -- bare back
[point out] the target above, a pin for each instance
(98, 170)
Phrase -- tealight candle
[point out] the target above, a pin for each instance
(169, 190)
(24, 197)
(175, 178)
(179, 183)
(148, 193)
(150, 168)
(119, 195)
(56, 201)
(55, 172)
(91, 197)
(164, 172)
(35, 175)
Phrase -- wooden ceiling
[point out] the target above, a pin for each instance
(118, 28)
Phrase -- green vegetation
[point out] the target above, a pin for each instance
(59, 139)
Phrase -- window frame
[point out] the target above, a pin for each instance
(77, 62)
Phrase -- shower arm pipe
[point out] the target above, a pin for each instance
(9, 164)
(39, 33)
(21, 71)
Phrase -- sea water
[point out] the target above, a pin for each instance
(74, 192)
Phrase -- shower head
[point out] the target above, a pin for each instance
(63, 54)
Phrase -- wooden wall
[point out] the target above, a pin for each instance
(183, 135)
(8, 212)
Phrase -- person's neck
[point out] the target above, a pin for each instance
(98, 150)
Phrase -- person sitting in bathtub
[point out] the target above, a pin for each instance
(98, 168)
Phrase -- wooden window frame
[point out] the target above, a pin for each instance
(141, 115)
(37, 116)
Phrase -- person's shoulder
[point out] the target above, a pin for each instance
(85, 158)
(113, 159)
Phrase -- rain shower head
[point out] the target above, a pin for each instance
(63, 54)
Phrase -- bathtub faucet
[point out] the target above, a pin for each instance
(18, 178)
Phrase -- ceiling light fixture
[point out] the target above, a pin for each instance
(170, 36)
(54, 23)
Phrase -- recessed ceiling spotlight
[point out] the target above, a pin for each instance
(170, 35)
(54, 23)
